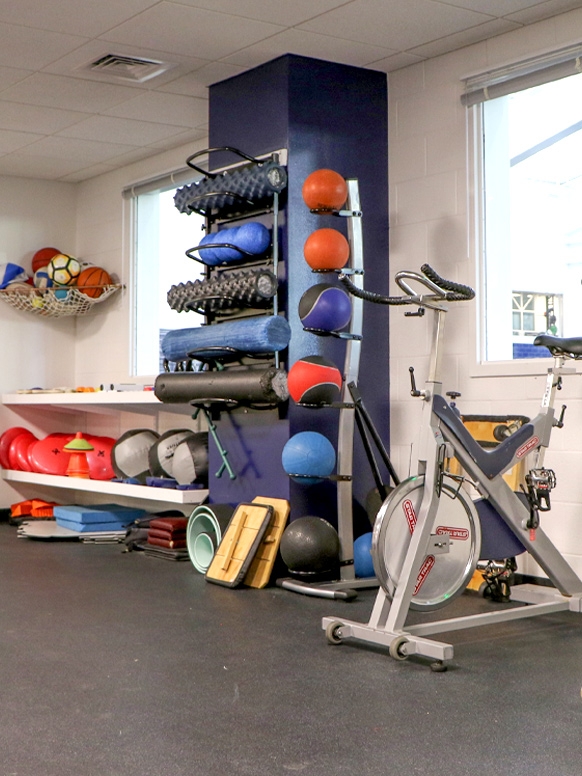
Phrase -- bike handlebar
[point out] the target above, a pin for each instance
(440, 288)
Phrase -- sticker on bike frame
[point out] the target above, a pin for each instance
(461, 534)
(425, 570)
(529, 445)
(409, 514)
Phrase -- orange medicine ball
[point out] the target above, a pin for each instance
(324, 190)
(326, 249)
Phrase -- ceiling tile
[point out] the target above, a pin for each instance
(32, 49)
(196, 84)
(12, 141)
(87, 151)
(396, 62)
(285, 13)
(162, 108)
(193, 31)
(107, 129)
(309, 44)
(544, 11)
(87, 172)
(66, 15)
(57, 91)
(32, 118)
(465, 38)
(394, 24)
(184, 137)
(11, 75)
(26, 166)
(493, 7)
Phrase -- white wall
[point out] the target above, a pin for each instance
(429, 218)
(35, 351)
(430, 221)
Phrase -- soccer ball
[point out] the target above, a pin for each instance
(63, 270)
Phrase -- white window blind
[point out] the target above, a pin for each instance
(522, 75)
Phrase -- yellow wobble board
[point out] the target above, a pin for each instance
(239, 544)
(261, 568)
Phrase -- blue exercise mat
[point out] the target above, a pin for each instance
(99, 514)
(267, 334)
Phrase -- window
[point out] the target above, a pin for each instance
(530, 160)
(161, 236)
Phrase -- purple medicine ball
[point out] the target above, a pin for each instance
(325, 307)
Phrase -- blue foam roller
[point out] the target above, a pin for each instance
(267, 334)
(253, 237)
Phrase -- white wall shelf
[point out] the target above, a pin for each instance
(116, 489)
(143, 402)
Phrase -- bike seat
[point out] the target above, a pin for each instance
(571, 347)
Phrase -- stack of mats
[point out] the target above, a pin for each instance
(98, 519)
(167, 538)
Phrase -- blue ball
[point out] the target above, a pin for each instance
(325, 307)
(363, 564)
(310, 454)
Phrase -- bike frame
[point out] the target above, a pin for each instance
(442, 436)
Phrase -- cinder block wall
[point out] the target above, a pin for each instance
(430, 221)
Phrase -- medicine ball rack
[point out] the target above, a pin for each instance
(345, 587)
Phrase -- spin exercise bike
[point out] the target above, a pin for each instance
(427, 535)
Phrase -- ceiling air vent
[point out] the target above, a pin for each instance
(125, 68)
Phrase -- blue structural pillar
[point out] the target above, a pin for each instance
(325, 115)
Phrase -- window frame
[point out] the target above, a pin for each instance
(479, 367)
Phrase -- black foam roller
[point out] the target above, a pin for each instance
(248, 385)
(250, 185)
(230, 291)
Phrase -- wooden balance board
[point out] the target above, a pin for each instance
(239, 544)
(261, 567)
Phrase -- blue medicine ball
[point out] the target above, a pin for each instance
(325, 307)
(310, 455)
(363, 564)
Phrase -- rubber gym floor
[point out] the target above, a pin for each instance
(118, 664)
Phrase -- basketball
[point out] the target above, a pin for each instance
(326, 249)
(91, 281)
(63, 270)
(325, 308)
(324, 190)
(314, 380)
(42, 257)
(308, 457)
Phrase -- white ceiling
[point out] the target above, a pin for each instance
(60, 122)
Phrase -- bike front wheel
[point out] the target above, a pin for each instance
(442, 576)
